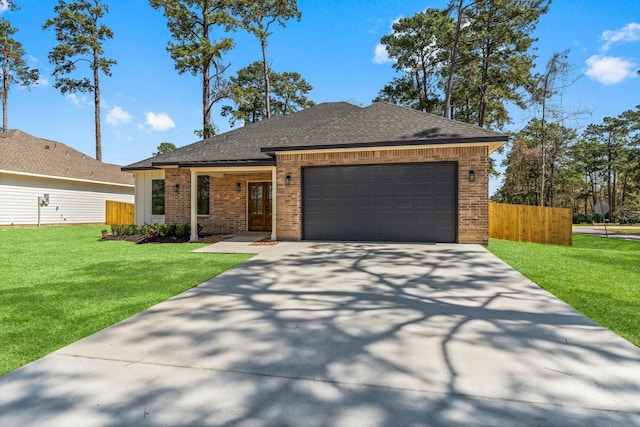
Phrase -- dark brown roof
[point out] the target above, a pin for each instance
(384, 124)
(21, 152)
(327, 125)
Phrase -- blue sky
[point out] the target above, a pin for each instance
(147, 102)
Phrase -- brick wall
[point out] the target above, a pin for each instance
(227, 206)
(228, 209)
(473, 215)
(177, 203)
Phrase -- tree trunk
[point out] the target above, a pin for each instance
(96, 102)
(594, 194)
(614, 205)
(452, 62)
(5, 92)
(543, 136)
(483, 83)
(425, 85)
(609, 189)
(206, 112)
(267, 87)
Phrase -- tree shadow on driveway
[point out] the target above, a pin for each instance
(324, 334)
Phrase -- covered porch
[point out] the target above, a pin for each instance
(222, 199)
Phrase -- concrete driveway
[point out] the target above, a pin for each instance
(328, 334)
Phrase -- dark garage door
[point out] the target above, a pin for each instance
(414, 202)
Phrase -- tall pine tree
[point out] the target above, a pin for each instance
(80, 34)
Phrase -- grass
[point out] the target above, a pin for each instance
(60, 284)
(597, 276)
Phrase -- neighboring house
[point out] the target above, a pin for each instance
(76, 184)
(334, 171)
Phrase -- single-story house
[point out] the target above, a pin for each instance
(47, 182)
(334, 171)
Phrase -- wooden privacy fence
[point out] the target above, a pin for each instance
(119, 213)
(534, 224)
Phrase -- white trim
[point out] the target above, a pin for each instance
(233, 169)
(194, 206)
(37, 175)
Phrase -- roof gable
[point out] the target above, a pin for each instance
(24, 153)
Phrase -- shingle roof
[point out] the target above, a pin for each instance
(21, 152)
(327, 125)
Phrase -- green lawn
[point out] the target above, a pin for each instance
(597, 276)
(60, 284)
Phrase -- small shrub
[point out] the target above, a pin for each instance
(163, 230)
(147, 229)
(183, 231)
(582, 218)
(628, 214)
(117, 230)
(130, 230)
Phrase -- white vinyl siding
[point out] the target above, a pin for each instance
(70, 202)
(143, 197)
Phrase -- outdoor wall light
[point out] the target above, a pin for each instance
(472, 176)
(238, 186)
(177, 187)
(287, 180)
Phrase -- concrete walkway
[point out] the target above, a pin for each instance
(242, 243)
(328, 334)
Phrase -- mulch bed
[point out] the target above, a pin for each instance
(265, 242)
(140, 239)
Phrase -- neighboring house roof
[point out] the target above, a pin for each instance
(324, 126)
(26, 154)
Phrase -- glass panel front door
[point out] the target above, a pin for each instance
(260, 206)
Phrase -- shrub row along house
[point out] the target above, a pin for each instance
(334, 171)
(47, 182)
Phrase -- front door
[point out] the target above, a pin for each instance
(259, 206)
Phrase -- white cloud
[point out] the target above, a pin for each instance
(609, 70)
(118, 116)
(381, 55)
(3, 6)
(41, 82)
(628, 33)
(159, 122)
(76, 100)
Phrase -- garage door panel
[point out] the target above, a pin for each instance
(399, 202)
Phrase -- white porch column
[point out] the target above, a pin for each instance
(194, 206)
(274, 197)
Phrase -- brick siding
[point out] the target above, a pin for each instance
(473, 214)
(228, 207)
